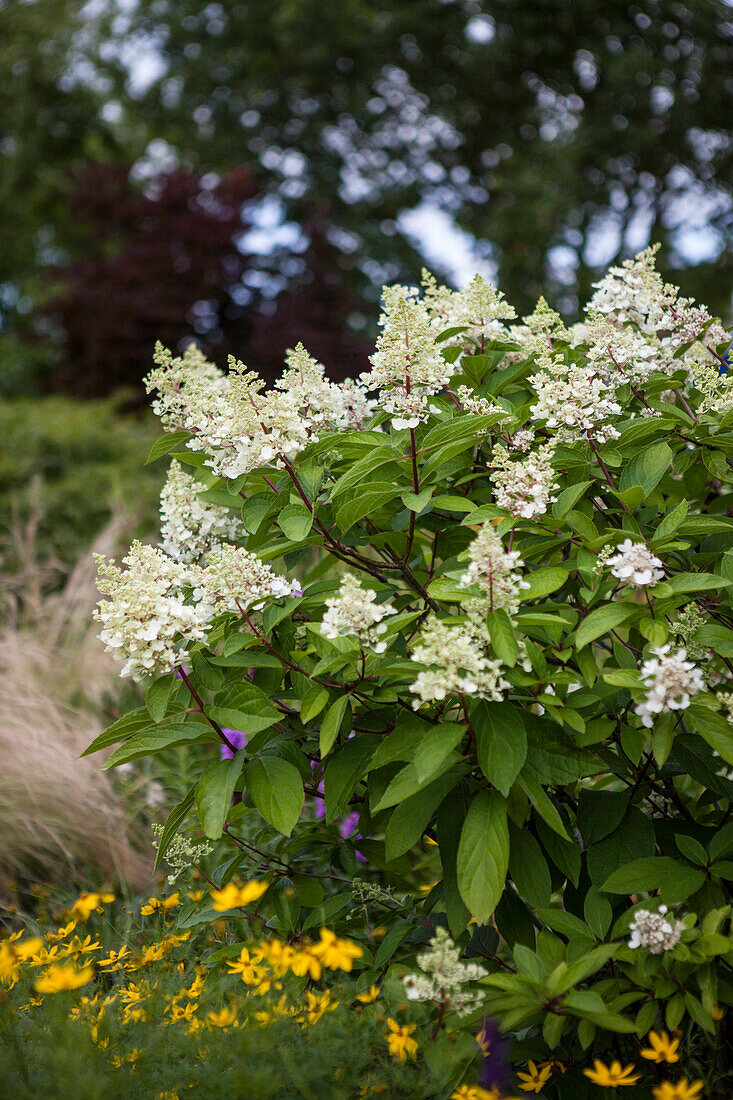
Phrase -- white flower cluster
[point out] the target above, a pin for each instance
(460, 663)
(571, 396)
(524, 486)
(496, 571)
(354, 613)
(622, 354)
(478, 307)
(181, 853)
(158, 606)
(716, 387)
(147, 622)
(635, 292)
(480, 406)
(189, 527)
(236, 580)
(187, 387)
(407, 367)
(444, 976)
(635, 565)
(685, 626)
(671, 680)
(655, 931)
(238, 424)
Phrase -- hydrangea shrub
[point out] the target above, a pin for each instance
(478, 604)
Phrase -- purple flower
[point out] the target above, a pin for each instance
(236, 738)
(495, 1071)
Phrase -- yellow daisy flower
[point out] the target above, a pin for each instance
(536, 1079)
(233, 896)
(613, 1076)
(679, 1090)
(661, 1048)
(399, 1040)
(57, 979)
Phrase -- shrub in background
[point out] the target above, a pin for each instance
(509, 664)
(65, 469)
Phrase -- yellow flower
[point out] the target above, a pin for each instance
(427, 887)
(233, 896)
(225, 1017)
(114, 959)
(86, 904)
(160, 903)
(62, 933)
(57, 979)
(307, 962)
(119, 1060)
(662, 1049)
(80, 947)
(368, 995)
(167, 1094)
(336, 954)
(400, 1041)
(278, 955)
(611, 1077)
(196, 895)
(317, 1005)
(680, 1090)
(536, 1079)
(476, 1092)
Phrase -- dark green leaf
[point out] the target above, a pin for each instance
(276, 789)
(483, 854)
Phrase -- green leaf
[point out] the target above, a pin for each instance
(671, 521)
(365, 502)
(344, 770)
(543, 804)
(552, 757)
(543, 581)
(713, 727)
(276, 789)
(256, 509)
(361, 470)
(168, 736)
(409, 781)
(503, 639)
(313, 702)
(435, 747)
(633, 837)
(453, 504)
(214, 792)
(157, 696)
(602, 620)
(295, 522)
(123, 728)
(501, 742)
(568, 498)
(244, 707)
(696, 582)
(411, 818)
(165, 444)
(717, 637)
(483, 855)
(417, 501)
(331, 724)
(647, 468)
(676, 880)
(173, 822)
(528, 868)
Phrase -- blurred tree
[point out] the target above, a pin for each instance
(563, 135)
(166, 259)
(50, 118)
